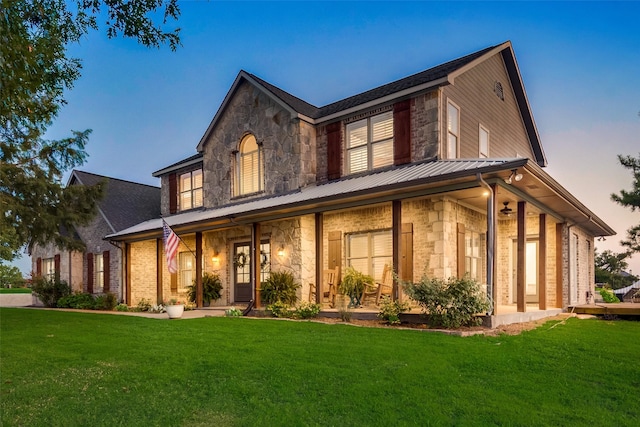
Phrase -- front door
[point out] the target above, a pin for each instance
(531, 275)
(242, 272)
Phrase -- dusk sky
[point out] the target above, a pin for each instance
(580, 62)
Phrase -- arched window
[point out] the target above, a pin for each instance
(249, 167)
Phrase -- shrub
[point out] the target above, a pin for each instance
(280, 309)
(345, 314)
(78, 300)
(353, 282)
(50, 290)
(122, 307)
(608, 295)
(233, 312)
(306, 310)
(211, 288)
(452, 303)
(106, 302)
(390, 310)
(143, 305)
(281, 287)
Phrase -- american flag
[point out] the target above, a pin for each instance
(171, 242)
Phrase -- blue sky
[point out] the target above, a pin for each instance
(580, 62)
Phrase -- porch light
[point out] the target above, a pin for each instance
(216, 257)
(514, 175)
(281, 251)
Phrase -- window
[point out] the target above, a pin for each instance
(265, 261)
(249, 167)
(369, 252)
(48, 268)
(370, 143)
(190, 190)
(453, 130)
(98, 272)
(483, 143)
(473, 255)
(186, 269)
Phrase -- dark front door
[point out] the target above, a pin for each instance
(242, 272)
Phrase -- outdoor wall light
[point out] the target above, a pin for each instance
(216, 257)
(514, 175)
(281, 251)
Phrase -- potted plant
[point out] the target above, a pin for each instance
(353, 285)
(211, 289)
(174, 308)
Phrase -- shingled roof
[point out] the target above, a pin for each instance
(125, 203)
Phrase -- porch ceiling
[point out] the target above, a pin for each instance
(414, 180)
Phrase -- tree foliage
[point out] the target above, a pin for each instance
(631, 199)
(10, 276)
(35, 71)
(610, 268)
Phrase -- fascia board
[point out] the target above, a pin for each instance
(169, 169)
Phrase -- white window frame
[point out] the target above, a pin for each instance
(48, 268)
(372, 161)
(192, 191)
(374, 262)
(483, 131)
(186, 272)
(98, 272)
(256, 157)
(453, 133)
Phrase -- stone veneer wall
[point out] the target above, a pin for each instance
(425, 138)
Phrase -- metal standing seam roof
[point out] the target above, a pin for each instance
(435, 170)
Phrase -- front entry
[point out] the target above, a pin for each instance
(242, 272)
(531, 275)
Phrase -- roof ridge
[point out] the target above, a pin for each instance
(115, 179)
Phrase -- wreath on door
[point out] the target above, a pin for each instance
(241, 259)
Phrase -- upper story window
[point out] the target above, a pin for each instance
(249, 167)
(190, 192)
(370, 143)
(453, 130)
(483, 143)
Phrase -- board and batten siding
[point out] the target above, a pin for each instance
(473, 92)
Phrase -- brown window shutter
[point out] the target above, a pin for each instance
(461, 251)
(333, 151)
(90, 273)
(335, 249)
(173, 194)
(56, 267)
(106, 269)
(406, 252)
(39, 267)
(402, 133)
(174, 282)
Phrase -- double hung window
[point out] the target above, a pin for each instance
(48, 268)
(453, 130)
(191, 190)
(98, 272)
(369, 252)
(370, 143)
(186, 269)
(473, 251)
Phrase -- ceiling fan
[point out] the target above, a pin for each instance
(506, 211)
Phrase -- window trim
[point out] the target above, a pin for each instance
(192, 190)
(450, 132)
(369, 144)
(482, 128)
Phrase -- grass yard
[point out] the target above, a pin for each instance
(75, 369)
(15, 291)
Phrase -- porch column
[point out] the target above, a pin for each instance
(319, 256)
(396, 235)
(159, 257)
(542, 262)
(198, 269)
(255, 262)
(521, 270)
(127, 269)
(559, 264)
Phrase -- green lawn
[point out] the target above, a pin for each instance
(15, 291)
(75, 369)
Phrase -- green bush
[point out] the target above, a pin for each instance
(122, 307)
(50, 290)
(233, 312)
(77, 300)
(211, 289)
(449, 303)
(608, 295)
(306, 310)
(353, 282)
(390, 310)
(281, 286)
(143, 305)
(106, 302)
(280, 309)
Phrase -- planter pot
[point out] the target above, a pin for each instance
(175, 311)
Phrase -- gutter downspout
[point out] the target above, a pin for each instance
(491, 238)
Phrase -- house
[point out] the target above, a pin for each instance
(99, 269)
(439, 173)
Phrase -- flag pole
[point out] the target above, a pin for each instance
(179, 238)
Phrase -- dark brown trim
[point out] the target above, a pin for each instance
(521, 268)
(402, 132)
(39, 267)
(173, 193)
(90, 273)
(396, 220)
(56, 267)
(542, 261)
(199, 289)
(159, 252)
(255, 262)
(559, 265)
(127, 279)
(319, 255)
(406, 253)
(460, 252)
(106, 271)
(334, 151)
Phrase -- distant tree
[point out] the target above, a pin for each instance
(610, 268)
(10, 275)
(631, 199)
(35, 71)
